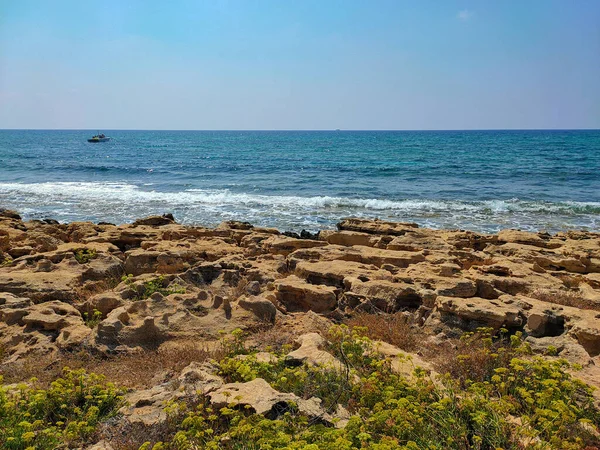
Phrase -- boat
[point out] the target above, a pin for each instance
(100, 137)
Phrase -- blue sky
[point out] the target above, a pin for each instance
(282, 64)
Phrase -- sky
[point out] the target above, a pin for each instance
(303, 64)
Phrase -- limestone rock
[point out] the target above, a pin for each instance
(241, 276)
(346, 238)
(333, 273)
(297, 295)
(525, 237)
(199, 379)
(311, 352)
(104, 303)
(260, 307)
(42, 328)
(403, 362)
(262, 399)
(13, 308)
(285, 245)
(471, 313)
(51, 316)
(376, 226)
(147, 407)
(587, 333)
(380, 295)
(563, 346)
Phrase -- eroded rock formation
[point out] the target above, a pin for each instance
(109, 289)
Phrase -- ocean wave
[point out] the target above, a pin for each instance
(130, 193)
(122, 202)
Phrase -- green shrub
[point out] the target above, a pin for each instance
(514, 402)
(157, 285)
(7, 261)
(91, 320)
(85, 255)
(154, 285)
(480, 353)
(65, 413)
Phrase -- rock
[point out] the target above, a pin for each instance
(380, 295)
(305, 234)
(587, 333)
(297, 295)
(261, 398)
(562, 346)
(9, 214)
(42, 328)
(61, 279)
(253, 288)
(333, 273)
(199, 379)
(346, 238)
(51, 316)
(376, 226)
(361, 254)
(471, 313)
(311, 352)
(17, 252)
(525, 237)
(120, 329)
(283, 245)
(155, 221)
(150, 322)
(147, 407)
(44, 265)
(403, 362)
(261, 307)
(235, 225)
(545, 323)
(13, 308)
(253, 278)
(456, 288)
(104, 303)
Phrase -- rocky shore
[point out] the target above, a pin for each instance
(115, 291)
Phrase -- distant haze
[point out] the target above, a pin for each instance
(310, 64)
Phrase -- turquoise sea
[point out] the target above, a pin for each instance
(293, 180)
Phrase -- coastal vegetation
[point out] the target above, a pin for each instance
(64, 414)
(495, 395)
(152, 286)
(85, 255)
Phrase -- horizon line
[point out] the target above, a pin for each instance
(302, 130)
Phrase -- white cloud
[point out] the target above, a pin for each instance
(465, 15)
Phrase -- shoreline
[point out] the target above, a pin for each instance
(170, 313)
(150, 304)
(330, 222)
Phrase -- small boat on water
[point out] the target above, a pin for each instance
(100, 137)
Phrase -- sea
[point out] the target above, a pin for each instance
(293, 180)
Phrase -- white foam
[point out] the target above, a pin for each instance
(123, 201)
(124, 192)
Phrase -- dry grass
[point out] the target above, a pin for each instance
(468, 361)
(129, 371)
(272, 339)
(395, 329)
(564, 298)
(463, 359)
